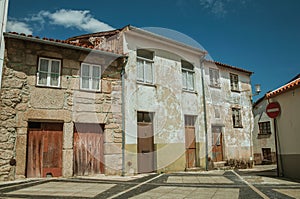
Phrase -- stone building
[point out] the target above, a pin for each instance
(60, 109)
(229, 116)
(167, 127)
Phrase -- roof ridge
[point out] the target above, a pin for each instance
(66, 42)
(284, 88)
(230, 66)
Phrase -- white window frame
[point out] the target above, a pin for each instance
(48, 72)
(234, 82)
(143, 79)
(90, 77)
(237, 118)
(187, 73)
(214, 77)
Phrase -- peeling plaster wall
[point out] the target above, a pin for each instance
(166, 99)
(262, 141)
(237, 142)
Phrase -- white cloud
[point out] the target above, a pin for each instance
(222, 7)
(215, 6)
(80, 19)
(18, 26)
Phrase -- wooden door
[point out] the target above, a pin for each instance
(190, 145)
(88, 149)
(217, 144)
(267, 154)
(44, 149)
(145, 147)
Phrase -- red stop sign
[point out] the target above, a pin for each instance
(273, 109)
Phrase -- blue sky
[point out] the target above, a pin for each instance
(258, 35)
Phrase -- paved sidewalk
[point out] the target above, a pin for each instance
(212, 184)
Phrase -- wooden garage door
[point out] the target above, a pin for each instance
(217, 144)
(44, 151)
(145, 142)
(190, 141)
(88, 149)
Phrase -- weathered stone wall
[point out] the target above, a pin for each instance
(22, 101)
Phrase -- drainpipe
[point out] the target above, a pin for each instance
(123, 114)
(204, 110)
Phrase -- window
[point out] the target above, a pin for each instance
(264, 127)
(48, 72)
(144, 117)
(214, 77)
(237, 118)
(90, 77)
(217, 112)
(187, 75)
(234, 82)
(189, 120)
(145, 66)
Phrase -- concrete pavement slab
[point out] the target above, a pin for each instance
(295, 193)
(75, 189)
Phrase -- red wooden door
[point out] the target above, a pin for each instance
(190, 145)
(145, 147)
(217, 145)
(44, 150)
(88, 149)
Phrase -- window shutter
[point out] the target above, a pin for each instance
(184, 79)
(148, 72)
(140, 70)
(190, 81)
(211, 77)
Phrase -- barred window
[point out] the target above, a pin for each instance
(237, 118)
(234, 82)
(264, 127)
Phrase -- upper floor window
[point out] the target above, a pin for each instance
(49, 72)
(187, 75)
(234, 82)
(264, 127)
(214, 77)
(145, 66)
(236, 118)
(90, 77)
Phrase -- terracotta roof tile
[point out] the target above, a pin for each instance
(293, 84)
(67, 42)
(229, 66)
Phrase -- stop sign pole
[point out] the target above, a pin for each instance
(273, 111)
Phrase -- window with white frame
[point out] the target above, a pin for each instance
(90, 77)
(234, 82)
(214, 77)
(49, 72)
(145, 66)
(237, 118)
(187, 75)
